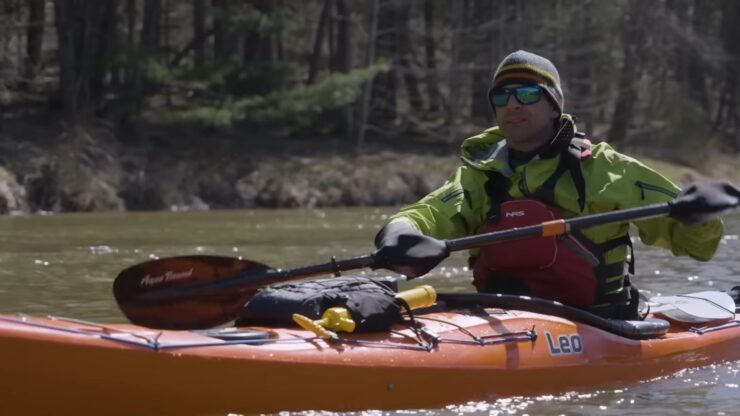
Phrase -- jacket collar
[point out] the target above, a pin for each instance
(488, 150)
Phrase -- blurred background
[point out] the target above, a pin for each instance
(115, 105)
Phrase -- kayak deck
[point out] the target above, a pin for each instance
(464, 355)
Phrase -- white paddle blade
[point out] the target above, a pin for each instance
(696, 307)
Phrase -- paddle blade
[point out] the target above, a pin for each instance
(135, 290)
(696, 307)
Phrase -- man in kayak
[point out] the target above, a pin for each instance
(534, 166)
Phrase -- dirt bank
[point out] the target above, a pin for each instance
(157, 168)
(65, 169)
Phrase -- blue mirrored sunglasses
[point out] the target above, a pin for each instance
(526, 95)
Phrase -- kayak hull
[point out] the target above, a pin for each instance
(66, 366)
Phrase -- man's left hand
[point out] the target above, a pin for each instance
(703, 202)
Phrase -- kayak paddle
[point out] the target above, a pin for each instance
(194, 292)
(696, 307)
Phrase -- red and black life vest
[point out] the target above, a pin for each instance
(569, 268)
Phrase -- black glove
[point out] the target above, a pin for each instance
(735, 293)
(405, 250)
(704, 201)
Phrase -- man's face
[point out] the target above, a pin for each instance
(526, 126)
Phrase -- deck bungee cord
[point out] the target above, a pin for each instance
(424, 341)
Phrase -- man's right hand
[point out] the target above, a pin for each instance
(404, 249)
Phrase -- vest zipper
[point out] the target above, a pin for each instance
(646, 186)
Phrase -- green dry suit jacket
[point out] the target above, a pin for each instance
(613, 182)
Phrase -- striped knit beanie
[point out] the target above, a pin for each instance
(526, 68)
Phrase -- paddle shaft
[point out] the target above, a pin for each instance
(550, 228)
(558, 227)
(546, 229)
(268, 276)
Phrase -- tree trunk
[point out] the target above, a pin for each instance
(115, 44)
(405, 56)
(35, 36)
(633, 41)
(68, 77)
(582, 43)
(696, 74)
(132, 78)
(84, 52)
(224, 37)
(343, 62)
(131, 24)
(258, 46)
(372, 30)
(199, 32)
(318, 43)
(726, 117)
(151, 31)
(589, 90)
(343, 59)
(102, 45)
(691, 18)
(430, 59)
(458, 24)
(166, 48)
(279, 38)
(383, 103)
(484, 45)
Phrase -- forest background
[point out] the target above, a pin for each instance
(197, 104)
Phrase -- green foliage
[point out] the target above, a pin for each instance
(155, 71)
(206, 115)
(236, 78)
(296, 106)
(259, 78)
(253, 19)
(205, 77)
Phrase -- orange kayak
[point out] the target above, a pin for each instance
(64, 366)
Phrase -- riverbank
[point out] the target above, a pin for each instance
(176, 168)
(166, 167)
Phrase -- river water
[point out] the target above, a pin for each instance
(64, 265)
